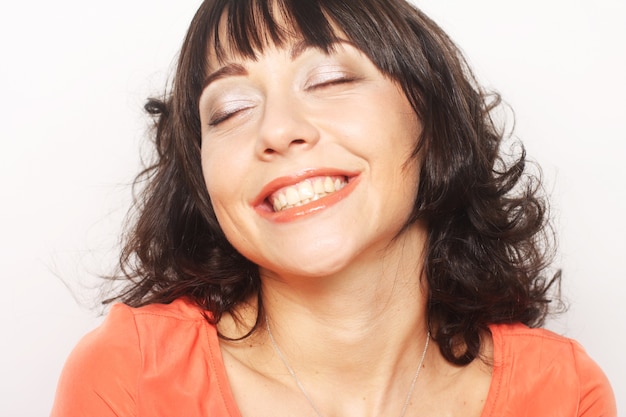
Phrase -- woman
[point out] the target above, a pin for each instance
(330, 229)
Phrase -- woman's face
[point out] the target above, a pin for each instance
(305, 156)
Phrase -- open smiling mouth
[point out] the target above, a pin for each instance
(305, 192)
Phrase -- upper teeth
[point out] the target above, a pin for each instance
(306, 191)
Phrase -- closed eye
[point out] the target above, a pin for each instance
(220, 117)
(330, 81)
(223, 115)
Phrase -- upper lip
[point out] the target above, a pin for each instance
(292, 179)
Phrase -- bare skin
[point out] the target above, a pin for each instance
(355, 352)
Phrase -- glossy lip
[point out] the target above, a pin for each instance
(264, 209)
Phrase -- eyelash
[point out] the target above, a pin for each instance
(223, 115)
(333, 81)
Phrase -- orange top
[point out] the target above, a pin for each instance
(165, 360)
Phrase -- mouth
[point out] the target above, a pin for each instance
(305, 192)
(295, 196)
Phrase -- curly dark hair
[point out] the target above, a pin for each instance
(489, 242)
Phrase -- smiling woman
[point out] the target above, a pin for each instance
(330, 228)
(312, 119)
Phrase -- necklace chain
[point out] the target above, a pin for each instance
(306, 395)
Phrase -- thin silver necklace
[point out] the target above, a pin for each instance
(306, 395)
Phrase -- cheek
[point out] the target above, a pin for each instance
(222, 165)
(209, 172)
(218, 185)
(222, 198)
(225, 173)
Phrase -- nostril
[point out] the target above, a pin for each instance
(298, 141)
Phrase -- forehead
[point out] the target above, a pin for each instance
(237, 66)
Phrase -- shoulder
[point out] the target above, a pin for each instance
(107, 369)
(129, 333)
(553, 371)
(532, 343)
(157, 321)
(181, 309)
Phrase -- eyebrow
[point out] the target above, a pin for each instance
(233, 69)
(228, 70)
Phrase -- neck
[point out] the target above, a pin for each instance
(361, 330)
(364, 328)
(358, 319)
(308, 397)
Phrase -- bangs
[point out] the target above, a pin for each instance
(244, 28)
(394, 35)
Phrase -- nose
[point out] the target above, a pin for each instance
(285, 127)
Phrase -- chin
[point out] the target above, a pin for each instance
(313, 263)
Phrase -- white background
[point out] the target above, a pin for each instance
(74, 78)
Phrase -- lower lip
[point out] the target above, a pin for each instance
(296, 213)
